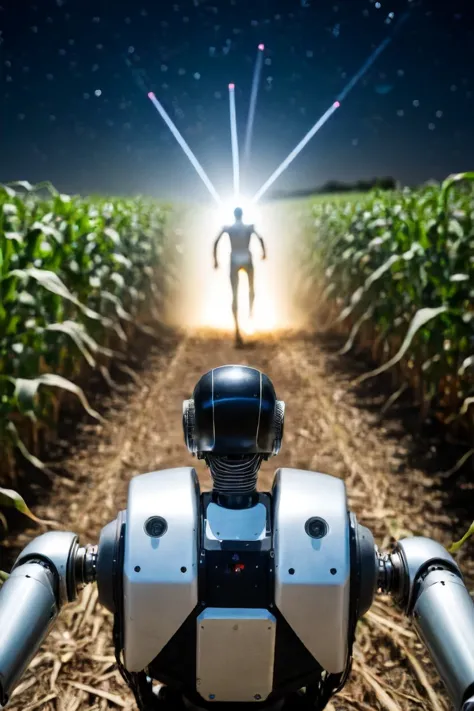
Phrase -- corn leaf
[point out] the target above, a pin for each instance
(14, 438)
(454, 547)
(355, 330)
(51, 282)
(419, 320)
(26, 390)
(467, 363)
(466, 404)
(11, 499)
(74, 331)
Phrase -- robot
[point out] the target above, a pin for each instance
(235, 598)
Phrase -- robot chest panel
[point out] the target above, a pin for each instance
(236, 558)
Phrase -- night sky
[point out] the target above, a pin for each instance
(72, 110)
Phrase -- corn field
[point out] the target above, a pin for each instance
(395, 272)
(78, 277)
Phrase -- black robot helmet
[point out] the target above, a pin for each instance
(233, 411)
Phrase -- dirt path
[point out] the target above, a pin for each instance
(325, 431)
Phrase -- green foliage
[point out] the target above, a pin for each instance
(456, 546)
(397, 272)
(10, 499)
(77, 277)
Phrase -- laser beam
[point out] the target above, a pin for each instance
(188, 152)
(235, 140)
(368, 63)
(253, 103)
(291, 157)
(320, 123)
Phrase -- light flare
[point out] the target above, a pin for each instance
(296, 151)
(320, 123)
(188, 152)
(234, 140)
(364, 69)
(253, 104)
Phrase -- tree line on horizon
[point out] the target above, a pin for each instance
(338, 186)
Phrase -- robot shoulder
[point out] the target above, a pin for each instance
(159, 504)
(312, 561)
(160, 522)
(147, 561)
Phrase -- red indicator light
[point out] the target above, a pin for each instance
(239, 567)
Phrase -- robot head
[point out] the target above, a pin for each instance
(234, 421)
(233, 412)
(238, 213)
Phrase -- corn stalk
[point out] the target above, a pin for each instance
(396, 271)
(77, 276)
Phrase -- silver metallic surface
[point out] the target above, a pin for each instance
(58, 549)
(444, 618)
(385, 575)
(90, 564)
(415, 556)
(312, 577)
(27, 610)
(469, 704)
(189, 426)
(235, 654)
(86, 565)
(279, 426)
(160, 574)
(224, 524)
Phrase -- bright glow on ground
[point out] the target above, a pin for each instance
(205, 298)
(207, 294)
(216, 309)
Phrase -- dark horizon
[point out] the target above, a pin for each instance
(75, 114)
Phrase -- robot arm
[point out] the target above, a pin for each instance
(427, 583)
(46, 575)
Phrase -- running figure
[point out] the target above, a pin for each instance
(241, 258)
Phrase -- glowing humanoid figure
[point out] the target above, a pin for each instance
(240, 235)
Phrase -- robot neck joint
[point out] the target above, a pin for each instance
(234, 479)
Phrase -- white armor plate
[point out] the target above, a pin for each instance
(312, 576)
(160, 574)
(235, 654)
